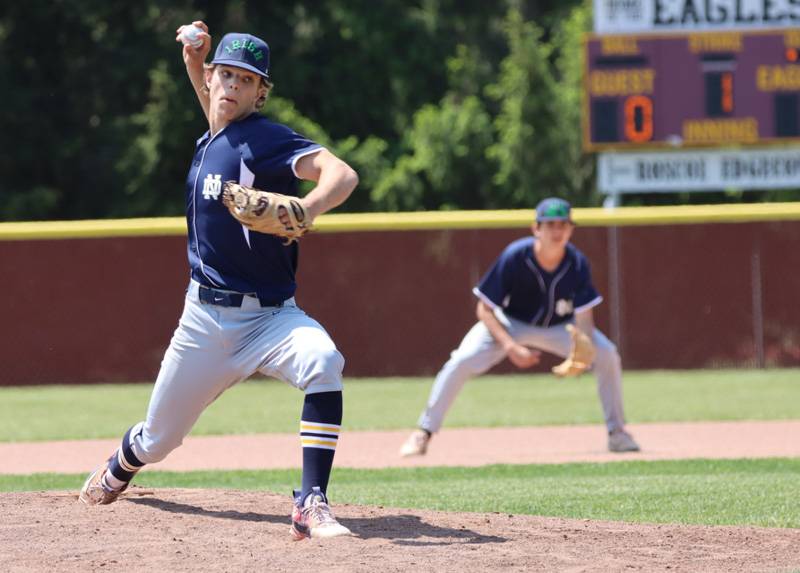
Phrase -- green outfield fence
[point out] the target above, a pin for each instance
(416, 221)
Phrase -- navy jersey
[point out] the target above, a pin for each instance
(222, 253)
(525, 291)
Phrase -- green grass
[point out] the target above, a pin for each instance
(104, 411)
(709, 492)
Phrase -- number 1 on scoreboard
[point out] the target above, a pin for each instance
(719, 94)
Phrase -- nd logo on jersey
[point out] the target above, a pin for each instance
(212, 186)
(563, 307)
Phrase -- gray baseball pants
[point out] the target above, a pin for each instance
(479, 351)
(214, 348)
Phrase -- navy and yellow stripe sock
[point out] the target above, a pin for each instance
(319, 434)
(124, 464)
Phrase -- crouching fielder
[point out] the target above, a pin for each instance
(538, 296)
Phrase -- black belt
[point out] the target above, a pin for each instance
(227, 298)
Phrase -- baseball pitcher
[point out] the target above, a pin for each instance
(240, 316)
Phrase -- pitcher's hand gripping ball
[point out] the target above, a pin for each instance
(581, 354)
(189, 34)
(265, 212)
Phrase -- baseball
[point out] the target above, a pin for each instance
(189, 36)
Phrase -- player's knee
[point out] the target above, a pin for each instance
(469, 360)
(157, 451)
(323, 370)
(472, 367)
(464, 366)
(608, 355)
(150, 448)
(329, 361)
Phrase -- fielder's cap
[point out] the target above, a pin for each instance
(553, 209)
(243, 51)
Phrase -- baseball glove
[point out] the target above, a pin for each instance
(581, 355)
(265, 212)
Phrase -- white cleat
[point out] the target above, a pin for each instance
(315, 519)
(416, 444)
(95, 492)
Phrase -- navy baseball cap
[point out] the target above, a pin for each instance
(243, 51)
(553, 209)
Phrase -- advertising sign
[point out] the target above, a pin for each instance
(700, 170)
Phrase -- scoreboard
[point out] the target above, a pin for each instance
(694, 89)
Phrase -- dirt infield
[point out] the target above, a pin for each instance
(462, 447)
(191, 530)
(225, 530)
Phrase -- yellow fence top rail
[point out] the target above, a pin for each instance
(424, 220)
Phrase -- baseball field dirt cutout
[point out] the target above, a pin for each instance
(229, 530)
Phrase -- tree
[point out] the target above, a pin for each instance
(99, 116)
(535, 148)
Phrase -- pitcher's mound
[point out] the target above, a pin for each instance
(225, 530)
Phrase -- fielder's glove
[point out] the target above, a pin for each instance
(265, 212)
(581, 355)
